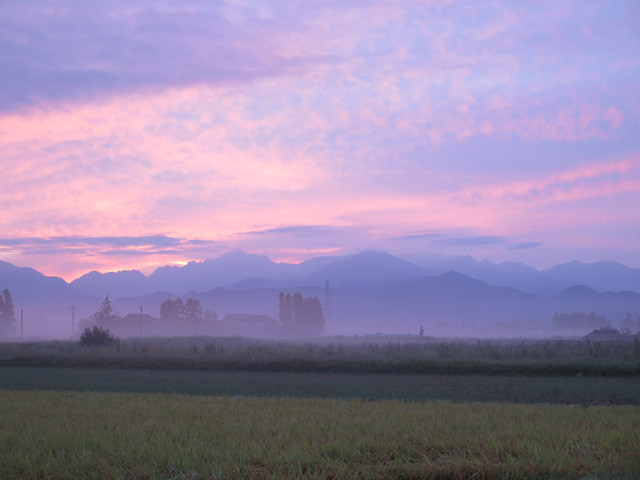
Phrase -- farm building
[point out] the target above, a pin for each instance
(246, 325)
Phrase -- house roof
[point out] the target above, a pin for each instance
(248, 318)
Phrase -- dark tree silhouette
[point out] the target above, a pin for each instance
(105, 315)
(7, 314)
(102, 318)
(578, 321)
(297, 302)
(172, 311)
(629, 325)
(210, 316)
(286, 311)
(301, 316)
(313, 318)
(192, 311)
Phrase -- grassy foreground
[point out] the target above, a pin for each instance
(116, 435)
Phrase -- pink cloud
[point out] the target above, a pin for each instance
(345, 116)
(614, 117)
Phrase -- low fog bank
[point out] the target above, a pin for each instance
(448, 306)
(257, 313)
(258, 323)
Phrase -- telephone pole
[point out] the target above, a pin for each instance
(73, 322)
(21, 322)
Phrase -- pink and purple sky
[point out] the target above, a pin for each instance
(140, 134)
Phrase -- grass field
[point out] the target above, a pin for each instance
(413, 387)
(115, 435)
(336, 408)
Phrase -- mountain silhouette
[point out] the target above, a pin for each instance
(126, 283)
(601, 276)
(371, 291)
(370, 266)
(28, 286)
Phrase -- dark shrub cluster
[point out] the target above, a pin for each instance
(96, 337)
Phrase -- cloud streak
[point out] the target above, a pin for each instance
(143, 245)
(472, 241)
(524, 245)
(296, 231)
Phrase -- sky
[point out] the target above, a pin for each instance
(140, 134)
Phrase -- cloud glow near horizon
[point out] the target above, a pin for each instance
(503, 130)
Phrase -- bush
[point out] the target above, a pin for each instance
(96, 337)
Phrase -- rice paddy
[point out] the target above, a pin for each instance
(233, 408)
(118, 435)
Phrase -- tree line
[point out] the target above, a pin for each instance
(592, 321)
(7, 314)
(176, 317)
(172, 313)
(300, 316)
(178, 312)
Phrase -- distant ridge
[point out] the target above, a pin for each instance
(369, 265)
(578, 290)
(238, 269)
(241, 270)
(126, 283)
(602, 276)
(27, 285)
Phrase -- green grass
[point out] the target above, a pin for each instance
(115, 435)
(560, 390)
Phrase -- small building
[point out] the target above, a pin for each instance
(144, 318)
(608, 334)
(134, 325)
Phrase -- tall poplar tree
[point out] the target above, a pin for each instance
(301, 316)
(7, 314)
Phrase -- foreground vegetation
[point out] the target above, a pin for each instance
(409, 387)
(356, 355)
(97, 435)
(332, 408)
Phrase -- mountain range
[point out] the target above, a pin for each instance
(238, 269)
(370, 291)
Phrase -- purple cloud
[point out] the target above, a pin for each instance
(471, 241)
(417, 236)
(55, 52)
(524, 245)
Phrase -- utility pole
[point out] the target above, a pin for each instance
(21, 322)
(73, 322)
(140, 320)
